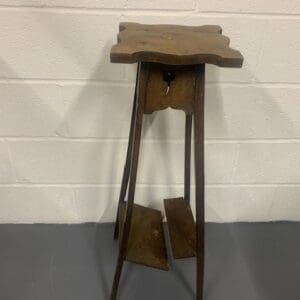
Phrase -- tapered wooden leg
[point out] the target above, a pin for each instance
(187, 156)
(199, 175)
(141, 90)
(126, 170)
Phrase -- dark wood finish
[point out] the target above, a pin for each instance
(126, 171)
(187, 156)
(169, 27)
(199, 175)
(146, 243)
(141, 92)
(182, 228)
(181, 92)
(171, 73)
(174, 45)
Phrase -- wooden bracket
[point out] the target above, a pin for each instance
(181, 92)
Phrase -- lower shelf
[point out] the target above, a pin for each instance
(146, 244)
(182, 228)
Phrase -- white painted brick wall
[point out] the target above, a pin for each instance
(65, 111)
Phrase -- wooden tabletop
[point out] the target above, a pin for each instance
(174, 45)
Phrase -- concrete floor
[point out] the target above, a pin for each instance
(244, 261)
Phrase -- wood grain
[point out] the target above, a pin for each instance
(182, 227)
(174, 45)
(181, 92)
(146, 244)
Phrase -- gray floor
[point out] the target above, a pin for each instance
(258, 261)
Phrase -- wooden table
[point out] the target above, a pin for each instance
(171, 73)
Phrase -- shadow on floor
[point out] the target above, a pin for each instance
(249, 261)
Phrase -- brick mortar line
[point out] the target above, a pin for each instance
(158, 12)
(96, 10)
(250, 14)
(140, 185)
(154, 141)
(83, 82)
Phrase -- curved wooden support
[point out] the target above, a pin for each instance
(181, 89)
(140, 98)
(187, 156)
(126, 171)
(199, 176)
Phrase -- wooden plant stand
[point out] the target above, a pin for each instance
(171, 73)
